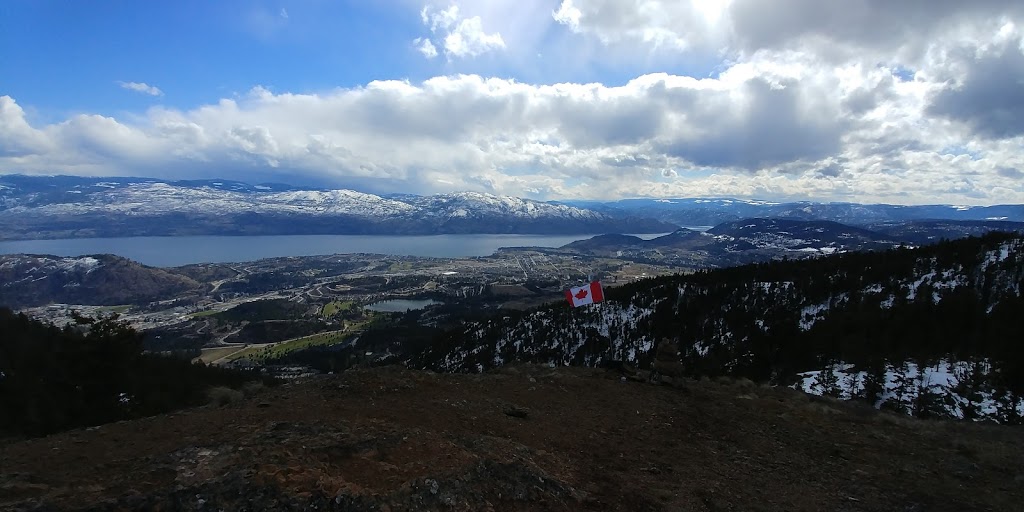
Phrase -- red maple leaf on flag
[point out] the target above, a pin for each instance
(586, 294)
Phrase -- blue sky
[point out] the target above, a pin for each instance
(198, 51)
(550, 99)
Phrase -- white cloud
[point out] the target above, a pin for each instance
(460, 36)
(439, 19)
(144, 88)
(17, 137)
(811, 108)
(468, 39)
(659, 24)
(424, 46)
(283, 13)
(777, 127)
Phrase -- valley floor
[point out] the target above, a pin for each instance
(522, 438)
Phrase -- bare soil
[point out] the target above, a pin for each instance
(523, 438)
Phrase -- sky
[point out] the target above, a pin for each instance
(909, 102)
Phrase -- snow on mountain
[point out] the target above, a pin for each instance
(134, 207)
(164, 198)
(465, 204)
(155, 198)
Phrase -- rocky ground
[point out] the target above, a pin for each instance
(524, 438)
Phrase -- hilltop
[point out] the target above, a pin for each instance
(525, 437)
(102, 279)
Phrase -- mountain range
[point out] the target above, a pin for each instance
(75, 207)
(36, 207)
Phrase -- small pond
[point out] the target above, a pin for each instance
(401, 305)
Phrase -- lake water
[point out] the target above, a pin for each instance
(183, 250)
(401, 305)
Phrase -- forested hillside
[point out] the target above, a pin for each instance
(958, 301)
(91, 373)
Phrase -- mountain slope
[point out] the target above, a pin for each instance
(525, 438)
(771, 321)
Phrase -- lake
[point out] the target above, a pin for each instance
(183, 250)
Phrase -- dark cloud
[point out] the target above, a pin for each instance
(991, 98)
(878, 24)
(774, 128)
(862, 101)
(831, 170)
(1008, 172)
(591, 122)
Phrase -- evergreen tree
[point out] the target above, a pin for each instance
(874, 381)
(928, 402)
(826, 382)
(853, 384)
(903, 387)
(971, 379)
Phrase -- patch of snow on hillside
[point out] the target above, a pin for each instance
(912, 288)
(86, 263)
(809, 315)
(700, 348)
(941, 378)
(875, 288)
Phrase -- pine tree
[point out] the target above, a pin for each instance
(903, 387)
(874, 381)
(927, 403)
(971, 379)
(853, 385)
(827, 382)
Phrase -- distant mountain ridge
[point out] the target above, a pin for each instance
(74, 207)
(714, 211)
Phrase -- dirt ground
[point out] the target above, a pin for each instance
(524, 438)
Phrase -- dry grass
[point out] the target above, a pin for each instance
(223, 395)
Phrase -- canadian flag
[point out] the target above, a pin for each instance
(586, 294)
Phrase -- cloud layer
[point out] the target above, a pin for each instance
(866, 100)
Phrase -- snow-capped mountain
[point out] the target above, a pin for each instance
(55, 207)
